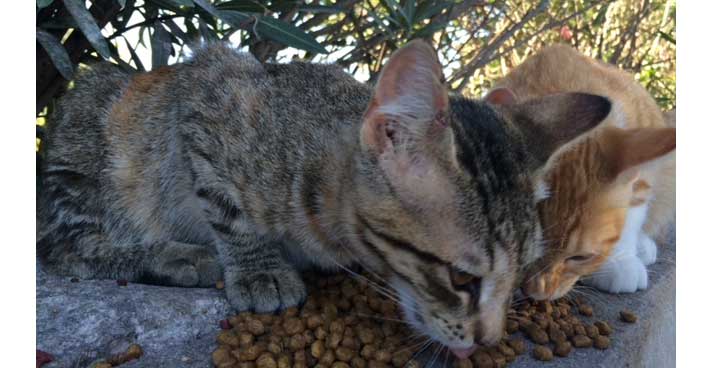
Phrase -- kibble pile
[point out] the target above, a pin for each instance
(345, 323)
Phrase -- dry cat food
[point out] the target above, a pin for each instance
(134, 351)
(627, 316)
(345, 323)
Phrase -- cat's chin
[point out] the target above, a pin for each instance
(464, 353)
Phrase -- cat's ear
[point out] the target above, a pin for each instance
(410, 102)
(500, 96)
(630, 150)
(548, 123)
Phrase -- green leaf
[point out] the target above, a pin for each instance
(135, 57)
(44, 3)
(235, 18)
(56, 52)
(122, 3)
(667, 37)
(87, 25)
(600, 18)
(410, 8)
(328, 9)
(287, 34)
(249, 6)
(188, 3)
(160, 46)
(427, 10)
(429, 30)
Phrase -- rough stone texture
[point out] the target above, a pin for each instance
(81, 322)
(84, 321)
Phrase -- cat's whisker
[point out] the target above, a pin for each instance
(428, 343)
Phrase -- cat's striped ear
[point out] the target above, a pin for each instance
(548, 123)
(410, 100)
(629, 150)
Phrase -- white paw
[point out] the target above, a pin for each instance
(646, 249)
(624, 275)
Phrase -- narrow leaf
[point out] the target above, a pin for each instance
(429, 30)
(87, 25)
(44, 3)
(160, 46)
(667, 37)
(242, 6)
(122, 3)
(287, 34)
(328, 9)
(188, 3)
(135, 57)
(600, 18)
(235, 18)
(56, 52)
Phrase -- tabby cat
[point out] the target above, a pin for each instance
(226, 167)
(611, 193)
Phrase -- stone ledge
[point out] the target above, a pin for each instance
(80, 322)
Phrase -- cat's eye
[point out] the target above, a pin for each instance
(464, 281)
(580, 258)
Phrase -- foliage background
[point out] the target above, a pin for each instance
(478, 41)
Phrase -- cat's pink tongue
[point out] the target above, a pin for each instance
(464, 353)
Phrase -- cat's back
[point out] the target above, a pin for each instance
(561, 68)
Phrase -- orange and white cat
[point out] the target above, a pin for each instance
(609, 194)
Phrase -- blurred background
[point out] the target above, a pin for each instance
(477, 41)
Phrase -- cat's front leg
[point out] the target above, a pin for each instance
(257, 278)
(646, 249)
(623, 274)
(182, 264)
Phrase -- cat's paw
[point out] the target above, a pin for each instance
(646, 249)
(264, 291)
(185, 265)
(625, 275)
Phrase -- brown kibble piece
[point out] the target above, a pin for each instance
(508, 352)
(582, 341)
(284, 362)
(591, 331)
(604, 328)
(317, 349)
(340, 365)
(266, 360)
(543, 353)
(255, 326)
(327, 358)
(219, 284)
(579, 330)
(518, 345)
(251, 353)
(512, 326)
(601, 342)
(221, 356)
(344, 354)
(293, 326)
(585, 310)
(383, 356)
(562, 348)
(536, 334)
(482, 359)
(627, 316)
(102, 365)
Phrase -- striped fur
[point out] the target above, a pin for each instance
(225, 167)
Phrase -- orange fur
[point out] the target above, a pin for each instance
(625, 163)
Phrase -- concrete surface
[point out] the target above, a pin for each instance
(81, 322)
